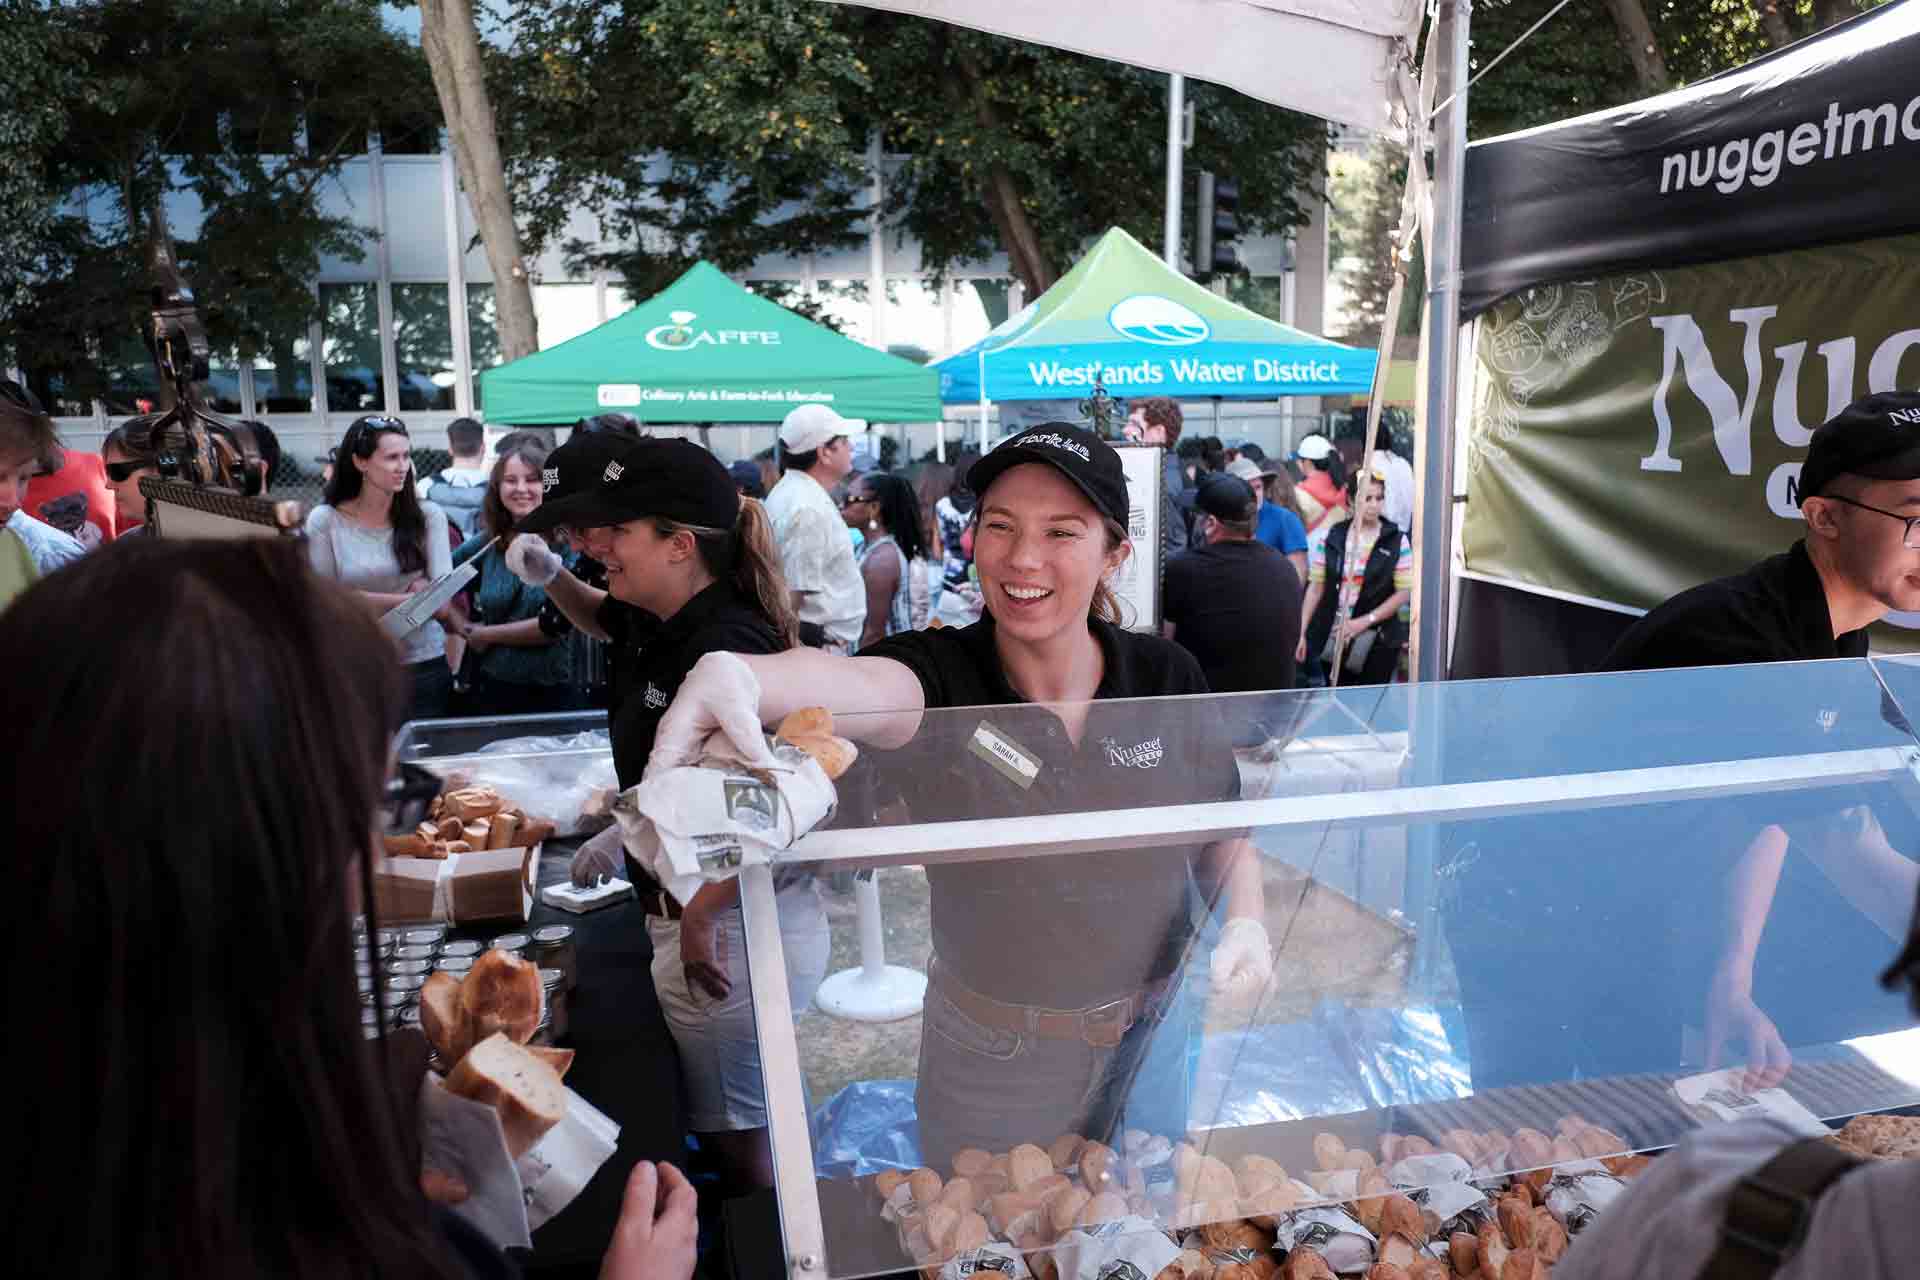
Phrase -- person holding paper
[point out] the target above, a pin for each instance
(205, 1101)
(691, 570)
(1050, 977)
(373, 533)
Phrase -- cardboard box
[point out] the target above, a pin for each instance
(465, 888)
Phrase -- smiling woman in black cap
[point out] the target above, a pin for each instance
(1050, 976)
(691, 570)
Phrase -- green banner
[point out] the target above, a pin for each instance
(1636, 435)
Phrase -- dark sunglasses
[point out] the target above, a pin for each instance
(408, 798)
(369, 427)
(854, 500)
(121, 472)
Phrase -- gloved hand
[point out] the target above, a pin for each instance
(532, 560)
(1242, 959)
(601, 858)
(720, 693)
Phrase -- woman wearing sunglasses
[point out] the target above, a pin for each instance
(373, 533)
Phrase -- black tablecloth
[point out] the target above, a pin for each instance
(625, 1065)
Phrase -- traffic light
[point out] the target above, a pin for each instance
(1216, 226)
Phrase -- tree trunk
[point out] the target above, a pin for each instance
(1773, 20)
(1024, 252)
(1828, 13)
(452, 45)
(1636, 34)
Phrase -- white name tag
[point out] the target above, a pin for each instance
(1004, 755)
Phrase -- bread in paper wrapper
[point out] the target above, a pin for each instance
(700, 824)
(1092, 1253)
(1331, 1232)
(993, 1260)
(1579, 1193)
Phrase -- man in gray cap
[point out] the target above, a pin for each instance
(816, 551)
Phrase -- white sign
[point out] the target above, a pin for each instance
(619, 395)
(1138, 581)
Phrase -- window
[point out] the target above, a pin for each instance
(1263, 295)
(978, 306)
(423, 346)
(916, 319)
(564, 311)
(483, 334)
(350, 346)
(845, 303)
(283, 372)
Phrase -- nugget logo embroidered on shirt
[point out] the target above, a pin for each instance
(613, 472)
(1142, 755)
(656, 697)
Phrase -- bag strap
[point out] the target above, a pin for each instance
(1770, 1209)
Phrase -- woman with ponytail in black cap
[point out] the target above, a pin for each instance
(692, 564)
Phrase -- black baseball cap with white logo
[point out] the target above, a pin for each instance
(1877, 436)
(1074, 452)
(575, 466)
(674, 480)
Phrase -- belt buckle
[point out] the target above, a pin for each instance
(1103, 1026)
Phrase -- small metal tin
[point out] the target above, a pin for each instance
(394, 998)
(553, 948)
(410, 1016)
(460, 947)
(431, 935)
(396, 968)
(366, 982)
(388, 937)
(370, 1024)
(456, 965)
(559, 1015)
(542, 1034)
(514, 942)
(414, 953)
(408, 982)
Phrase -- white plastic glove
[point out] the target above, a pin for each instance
(601, 858)
(720, 693)
(1242, 959)
(532, 560)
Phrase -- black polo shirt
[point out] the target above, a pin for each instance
(1774, 612)
(1066, 931)
(1235, 606)
(657, 655)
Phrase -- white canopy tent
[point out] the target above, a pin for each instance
(1347, 60)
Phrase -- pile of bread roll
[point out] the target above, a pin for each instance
(1227, 1219)
(479, 1026)
(468, 819)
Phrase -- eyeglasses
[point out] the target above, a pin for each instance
(1910, 540)
(408, 798)
(854, 500)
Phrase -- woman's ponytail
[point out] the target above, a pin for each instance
(756, 569)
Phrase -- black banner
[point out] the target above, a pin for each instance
(1816, 144)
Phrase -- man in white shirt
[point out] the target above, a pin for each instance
(815, 551)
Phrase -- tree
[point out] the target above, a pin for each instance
(1366, 200)
(249, 106)
(1643, 50)
(452, 45)
(732, 129)
(38, 79)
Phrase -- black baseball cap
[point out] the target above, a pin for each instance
(1225, 497)
(673, 479)
(1877, 436)
(747, 479)
(1076, 453)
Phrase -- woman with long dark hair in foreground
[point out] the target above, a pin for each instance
(200, 1099)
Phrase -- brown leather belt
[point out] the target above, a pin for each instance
(1101, 1025)
(654, 900)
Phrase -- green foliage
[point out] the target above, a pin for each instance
(250, 106)
(39, 84)
(729, 129)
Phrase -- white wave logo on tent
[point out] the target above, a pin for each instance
(1161, 322)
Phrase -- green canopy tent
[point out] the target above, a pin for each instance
(708, 350)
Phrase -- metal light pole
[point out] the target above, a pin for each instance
(1176, 146)
(1434, 544)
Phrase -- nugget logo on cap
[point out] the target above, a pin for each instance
(613, 472)
(549, 479)
(1054, 440)
(1905, 417)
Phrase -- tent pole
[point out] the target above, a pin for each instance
(1434, 515)
(1176, 120)
(983, 402)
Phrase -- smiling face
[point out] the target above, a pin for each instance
(519, 488)
(389, 466)
(1041, 549)
(644, 567)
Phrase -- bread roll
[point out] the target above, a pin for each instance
(1549, 1237)
(887, 1180)
(926, 1185)
(1595, 1142)
(524, 1090)
(1008, 1207)
(1329, 1152)
(1362, 1161)
(940, 1222)
(1108, 1206)
(469, 803)
(503, 993)
(408, 846)
(1516, 1222)
(1096, 1164)
(1027, 1164)
(1523, 1264)
(451, 847)
(1398, 1250)
(443, 1018)
(1385, 1271)
(1044, 1189)
(1064, 1209)
(1065, 1151)
(558, 1059)
(970, 1234)
(1414, 1145)
(958, 1193)
(501, 830)
(806, 722)
(1493, 1253)
(1400, 1215)
(451, 828)
(1531, 1149)
(1252, 1171)
(972, 1161)
(834, 755)
(534, 831)
(1463, 1251)
(1306, 1264)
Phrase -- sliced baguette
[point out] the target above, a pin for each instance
(443, 1017)
(525, 1090)
(502, 992)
